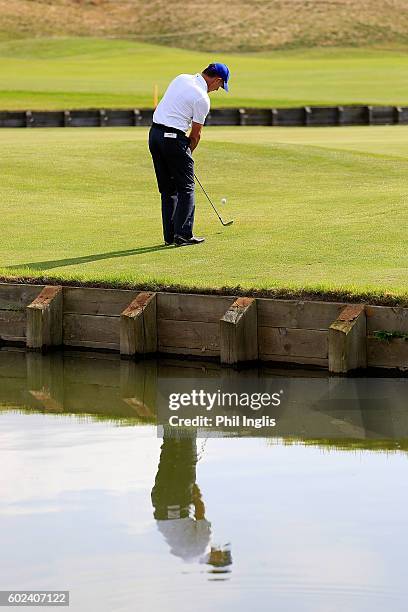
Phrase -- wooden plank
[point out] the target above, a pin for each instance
(12, 326)
(85, 300)
(98, 332)
(280, 368)
(285, 342)
(190, 307)
(44, 319)
(386, 318)
(297, 314)
(293, 359)
(239, 332)
(188, 337)
(387, 354)
(347, 340)
(14, 296)
(192, 352)
(138, 326)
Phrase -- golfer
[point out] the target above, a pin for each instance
(184, 105)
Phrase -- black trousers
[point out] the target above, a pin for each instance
(174, 167)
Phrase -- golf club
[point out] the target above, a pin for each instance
(225, 223)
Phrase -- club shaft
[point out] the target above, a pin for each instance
(208, 198)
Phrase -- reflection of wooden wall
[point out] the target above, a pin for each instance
(334, 336)
(106, 387)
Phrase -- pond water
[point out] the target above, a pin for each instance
(310, 517)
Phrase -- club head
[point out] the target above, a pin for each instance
(228, 223)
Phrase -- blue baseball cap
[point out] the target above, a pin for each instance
(223, 72)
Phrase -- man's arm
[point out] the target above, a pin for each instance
(199, 508)
(195, 135)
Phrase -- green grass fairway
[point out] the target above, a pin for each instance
(86, 72)
(319, 209)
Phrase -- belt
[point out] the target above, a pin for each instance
(167, 128)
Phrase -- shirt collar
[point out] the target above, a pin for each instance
(202, 82)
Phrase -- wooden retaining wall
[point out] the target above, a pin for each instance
(302, 116)
(335, 336)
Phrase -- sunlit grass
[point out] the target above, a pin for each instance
(316, 209)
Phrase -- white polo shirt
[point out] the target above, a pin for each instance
(185, 100)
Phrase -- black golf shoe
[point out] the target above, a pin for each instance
(180, 241)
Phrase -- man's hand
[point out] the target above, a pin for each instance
(195, 135)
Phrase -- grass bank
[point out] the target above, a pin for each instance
(237, 25)
(87, 72)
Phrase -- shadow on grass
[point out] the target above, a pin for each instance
(60, 263)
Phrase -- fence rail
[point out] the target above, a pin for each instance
(285, 117)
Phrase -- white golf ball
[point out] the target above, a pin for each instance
(223, 200)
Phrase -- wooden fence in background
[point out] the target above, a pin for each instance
(285, 117)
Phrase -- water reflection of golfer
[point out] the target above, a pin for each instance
(179, 508)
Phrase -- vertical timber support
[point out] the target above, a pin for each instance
(67, 118)
(138, 326)
(103, 118)
(239, 332)
(29, 119)
(274, 116)
(397, 114)
(44, 319)
(45, 381)
(243, 116)
(348, 340)
(137, 117)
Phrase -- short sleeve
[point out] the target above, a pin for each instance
(201, 108)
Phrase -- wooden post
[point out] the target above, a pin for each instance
(45, 380)
(44, 319)
(348, 340)
(370, 112)
(137, 117)
(138, 326)
(243, 115)
(67, 118)
(29, 119)
(397, 114)
(274, 116)
(308, 115)
(340, 115)
(239, 332)
(103, 118)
